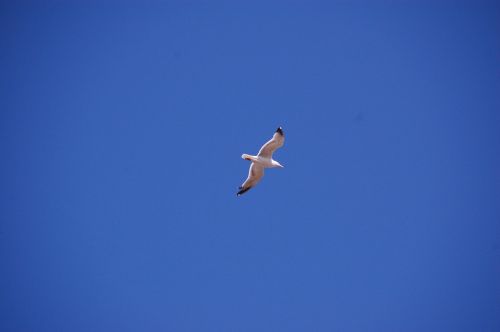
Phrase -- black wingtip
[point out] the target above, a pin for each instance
(280, 131)
(242, 191)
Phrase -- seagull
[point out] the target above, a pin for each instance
(264, 159)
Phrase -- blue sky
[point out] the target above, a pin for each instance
(122, 126)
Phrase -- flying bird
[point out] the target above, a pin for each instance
(264, 159)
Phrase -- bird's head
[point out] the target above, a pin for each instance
(277, 164)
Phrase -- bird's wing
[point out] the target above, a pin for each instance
(266, 151)
(254, 175)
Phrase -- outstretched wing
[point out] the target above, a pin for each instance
(255, 173)
(266, 151)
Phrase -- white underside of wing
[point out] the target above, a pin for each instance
(267, 150)
(255, 173)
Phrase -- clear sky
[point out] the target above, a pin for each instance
(122, 125)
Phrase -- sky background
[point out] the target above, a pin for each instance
(121, 130)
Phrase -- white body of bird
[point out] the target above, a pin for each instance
(265, 162)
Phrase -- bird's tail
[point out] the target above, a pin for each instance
(246, 156)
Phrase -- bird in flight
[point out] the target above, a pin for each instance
(264, 159)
